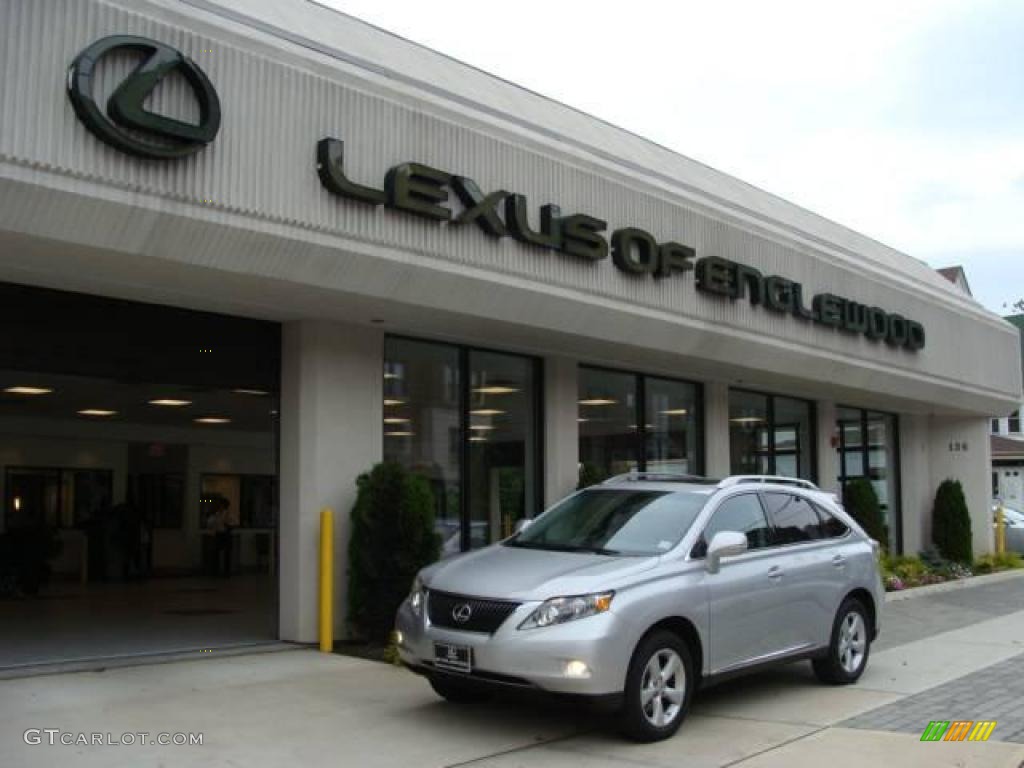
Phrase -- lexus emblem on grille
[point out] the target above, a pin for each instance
(462, 612)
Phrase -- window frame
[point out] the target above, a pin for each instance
(464, 353)
(640, 438)
(895, 536)
(772, 452)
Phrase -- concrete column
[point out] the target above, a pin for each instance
(960, 450)
(561, 430)
(717, 461)
(828, 455)
(331, 417)
(917, 492)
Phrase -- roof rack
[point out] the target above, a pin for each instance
(796, 482)
(660, 477)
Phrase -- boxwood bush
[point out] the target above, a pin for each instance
(951, 523)
(392, 537)
(861, 501)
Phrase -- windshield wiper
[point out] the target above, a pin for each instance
(561, 547)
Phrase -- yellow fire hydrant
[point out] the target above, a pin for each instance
(1000, 531)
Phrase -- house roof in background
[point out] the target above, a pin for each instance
(957, 276)
(1007, 448)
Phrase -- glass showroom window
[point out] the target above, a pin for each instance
(868, 445)
(466, 420)
(770, 435)
(628, 421)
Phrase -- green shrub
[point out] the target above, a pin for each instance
(951, 523)
(590, 475)
(993, 563)
(861, 501)
(392, 537)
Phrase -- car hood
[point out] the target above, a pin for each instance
(515, 573)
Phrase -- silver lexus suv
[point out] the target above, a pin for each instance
(639, 590)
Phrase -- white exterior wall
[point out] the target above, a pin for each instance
(332, 406)
(244, 227)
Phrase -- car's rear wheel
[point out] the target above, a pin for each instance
(659, 685)
(456, 691)
(848, 651)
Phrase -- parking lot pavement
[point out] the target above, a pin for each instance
(301, 707)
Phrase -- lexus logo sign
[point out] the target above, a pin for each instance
(462, 612)
(124, 123)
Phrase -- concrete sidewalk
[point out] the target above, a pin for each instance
(302, 707)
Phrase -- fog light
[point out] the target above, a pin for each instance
(576, 668)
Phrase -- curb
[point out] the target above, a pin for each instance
(952, 586)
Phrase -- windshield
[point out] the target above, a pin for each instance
(1013, 514)
(608, 522)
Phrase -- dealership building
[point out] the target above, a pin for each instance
(250, 248)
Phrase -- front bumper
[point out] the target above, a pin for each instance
(531, 658)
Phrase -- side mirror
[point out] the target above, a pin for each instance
(522, 524)
(725, 544)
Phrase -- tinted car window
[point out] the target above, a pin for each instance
(794, 518)
(743, 514)
(831, 526)
(614, 522)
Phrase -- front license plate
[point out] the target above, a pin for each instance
(457, 658)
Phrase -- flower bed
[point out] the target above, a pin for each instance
(905, 572)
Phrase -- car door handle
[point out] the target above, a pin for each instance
(775, 573)
(838, 561)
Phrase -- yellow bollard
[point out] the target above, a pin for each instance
(326, 581)
(1000, 531)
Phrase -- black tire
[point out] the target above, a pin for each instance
(457, 692)
(836, 667)
(637, 717)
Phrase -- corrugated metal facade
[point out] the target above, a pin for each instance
(278, 100)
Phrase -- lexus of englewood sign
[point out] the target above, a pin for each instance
(422, 191)
(418, 189)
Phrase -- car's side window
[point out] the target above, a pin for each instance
(832, 527)
(793, 517)
(743, 514)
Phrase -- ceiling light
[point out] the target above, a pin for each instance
(495, 389)
(478, 439)
(747, 420)
(96, 412)
(388, 376)
(170, 402)
(396, 420)
(28, 390)
(393, 401)
(674, 412)
(598, 401)
(482, 427)
(487, 412)
(17, 503)
(213, 420)
(257, 392)
(399, 434)
(581, 421)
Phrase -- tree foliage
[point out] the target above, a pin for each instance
(392, 537)
(861, 501)
(951, 523)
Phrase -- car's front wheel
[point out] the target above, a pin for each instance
(848, 651)
(659, 685)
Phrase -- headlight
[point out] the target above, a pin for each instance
(559, 610)
(417, 597)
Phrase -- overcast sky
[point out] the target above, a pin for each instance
(903, 119)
